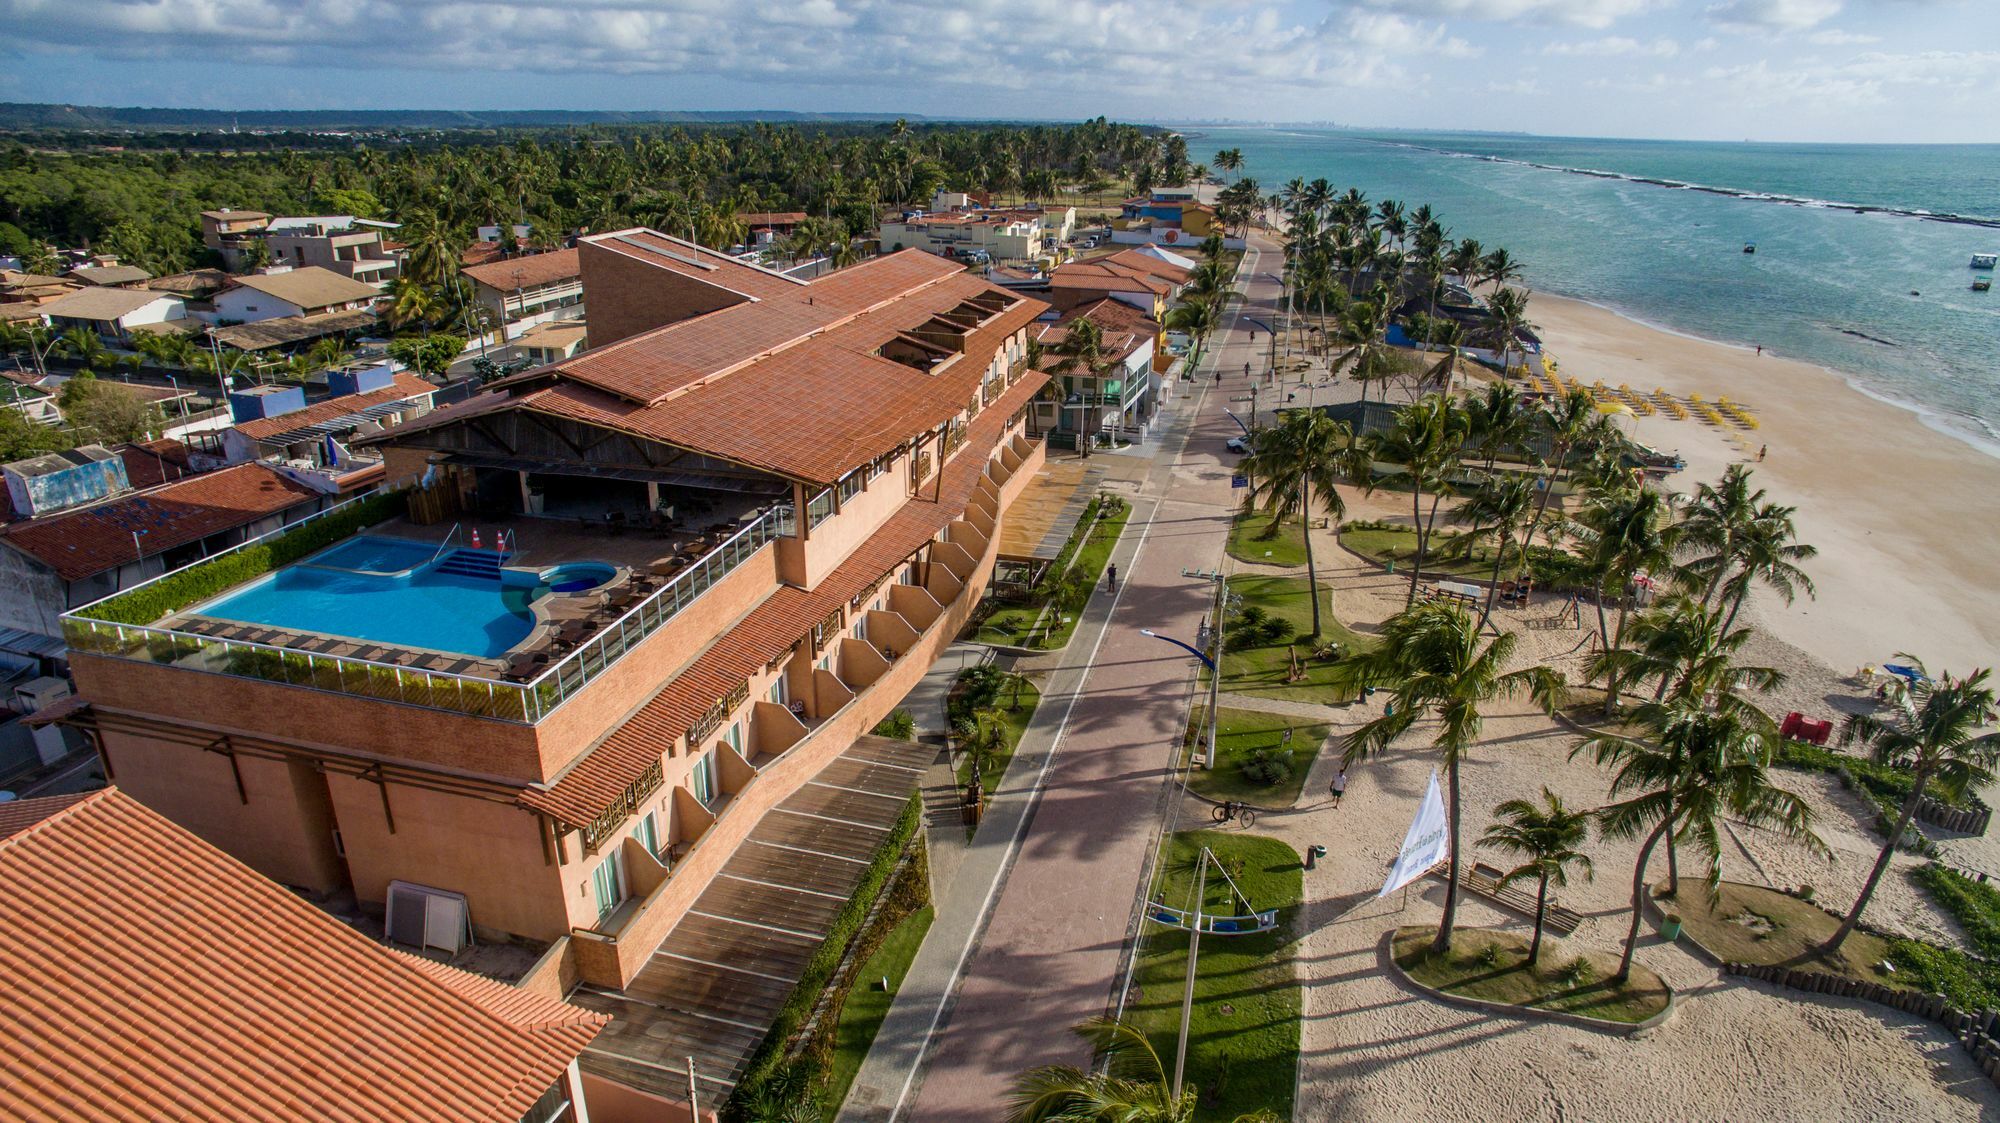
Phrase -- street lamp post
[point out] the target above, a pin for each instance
(1214, 680)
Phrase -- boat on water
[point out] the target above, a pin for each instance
(1749, 247)
(1985, 260)
(1982, 285)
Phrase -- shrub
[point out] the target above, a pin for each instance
(1268, 767)
(1577, 972)
(1275, 630)
(1250, 617)
(899, 724)
(1967, 983)
(1974, 904)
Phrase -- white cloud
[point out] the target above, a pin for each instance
(1834, 37)
(1773, 15)
(1612, 46)
(1062, 46)
(1863, 81)
(1386, 31)
(1583, 13)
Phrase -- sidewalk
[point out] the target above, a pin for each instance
(1031, 935)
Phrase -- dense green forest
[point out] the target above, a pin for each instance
(143, 203)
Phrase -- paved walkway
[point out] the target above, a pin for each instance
(1032, 933)
(1311, 710)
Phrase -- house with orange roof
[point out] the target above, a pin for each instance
(153, 976)
(1114, 399)
(604, 670)
(521, 292)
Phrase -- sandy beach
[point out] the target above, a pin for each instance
(1903, 515)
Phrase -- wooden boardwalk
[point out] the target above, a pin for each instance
(715, 984)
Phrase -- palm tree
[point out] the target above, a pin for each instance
(1573, 425)
(83, 345)
(1688, 649)
(1625, 533)
(1498, 422)
(1082, 349)
(1293, 463)
(1498, 511)
(1362, 326)
(1546, 837)
(1198, 319)
(1932, 729)
(1507, 316)
(413, 302)
(1426, 440)
(1499, 267)
(1769, 555)
(34, 340)
(1715, 523)
(1430, 659)
(1131, 1088)
(1696, 766)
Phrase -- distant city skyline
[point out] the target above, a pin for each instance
(1800, 70)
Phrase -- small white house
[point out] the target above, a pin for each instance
(310, 291)
(113, 313)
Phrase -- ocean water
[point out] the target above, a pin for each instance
(1656, 230)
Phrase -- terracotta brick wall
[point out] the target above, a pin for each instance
(282, 832)
(491, 852)
(628, 297)
(613, 963)
(297, 713)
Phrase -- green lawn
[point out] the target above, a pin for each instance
(1026, 625)
(1753, 924)
(1247, 541)
(1243, 1043)
(861, 1015)
(1016, 722)
(1400, 546)
(1260, 672)
(1240, 733)
(1489, 964)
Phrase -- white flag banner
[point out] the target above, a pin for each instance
(1424, 845)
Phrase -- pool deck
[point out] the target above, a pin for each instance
(538, 544)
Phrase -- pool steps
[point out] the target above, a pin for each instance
(473, 563)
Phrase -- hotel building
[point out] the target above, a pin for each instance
(630, 725)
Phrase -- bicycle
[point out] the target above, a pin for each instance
(1232, 809)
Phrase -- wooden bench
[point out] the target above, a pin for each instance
(1485, 881)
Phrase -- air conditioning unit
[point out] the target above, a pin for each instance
(422, 917)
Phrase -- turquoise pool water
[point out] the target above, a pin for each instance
(388, 590)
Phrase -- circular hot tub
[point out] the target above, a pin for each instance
(578, 577)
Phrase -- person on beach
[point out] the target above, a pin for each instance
(1339, 786)
(1760, 348)
(1761, 450)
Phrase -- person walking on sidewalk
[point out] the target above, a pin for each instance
(1339, 786)
(1111, 577)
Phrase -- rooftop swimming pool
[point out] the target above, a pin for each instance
(401, 593)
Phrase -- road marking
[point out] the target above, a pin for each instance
(729, 967)
(813, 936)
(776, 885)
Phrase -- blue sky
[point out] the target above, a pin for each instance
(1815, 70)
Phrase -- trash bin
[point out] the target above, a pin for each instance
(1313, 855)
(1670, 929)
(1390, 565)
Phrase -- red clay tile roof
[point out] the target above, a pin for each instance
(155, 462)
(82, 543)
(1125, 329)
(152, 976)
(533, 270)
(1148, 264)
(597, 777)
(790, 382)
(1107, 276)
(21, 814)
(650, 247)
(405, 386)
(754, 219)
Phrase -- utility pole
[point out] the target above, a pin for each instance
(1194, 953)
(1215, 670)
(694, 1108)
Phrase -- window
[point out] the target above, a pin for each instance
(852, 484)
(609, 883)
(648, 833)
(861, 628)
(733, 737)
(780, 692)
(703, 778)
